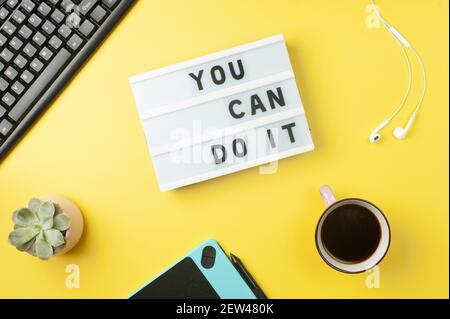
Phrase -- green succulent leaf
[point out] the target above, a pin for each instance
(54, 237)
(58, 209)
(22, 236)
(27, 246)
(61, 222)
(34, 205)
(24, 217)
(45, 214)
(43, 249)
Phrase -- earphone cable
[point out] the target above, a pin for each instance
(424, 72)
(408, 62)
(418, 57)
(383, 20)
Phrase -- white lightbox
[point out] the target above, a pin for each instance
(222, 113)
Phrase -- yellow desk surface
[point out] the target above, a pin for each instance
(90, 147)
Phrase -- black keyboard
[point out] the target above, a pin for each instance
(42, 45)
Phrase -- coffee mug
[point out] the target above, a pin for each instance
(352, 235)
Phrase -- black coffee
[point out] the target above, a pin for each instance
(351, 233)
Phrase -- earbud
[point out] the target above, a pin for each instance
(375, 136)
(400, 132)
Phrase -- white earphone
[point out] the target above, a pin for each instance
(400, 132)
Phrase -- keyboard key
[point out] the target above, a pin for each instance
(25, 32)
(75, 42)
(17, 88)
(22, 105)
(27, 77)
(5, 127)
(9, 28)
(3, 40)
(9, 100)
(46, 54)
(30, 50)
(1, 66)
(67, 5)
(86, 28)
(39, 39)
(99, 14)
(58, 16)
(86, 6)
(3, 84)
(65, 31)
(28, 5)
(37, 65)
(11, 73)
(2, 112)
(55, 42)
(3, 14)
(12, 3)
(73, 20)
(16, 44)
(18, 17)
(48, 27)
(44, 9)
(34, 20)
(6, 55)
(110, 4)
(20, 61)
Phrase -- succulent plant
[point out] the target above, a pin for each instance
(39, 229)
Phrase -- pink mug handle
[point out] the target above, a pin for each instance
(327, 195)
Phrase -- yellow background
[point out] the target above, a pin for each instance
(90, 147)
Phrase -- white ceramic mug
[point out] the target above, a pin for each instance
(345, 266)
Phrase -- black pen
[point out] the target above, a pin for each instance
(247, 277)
